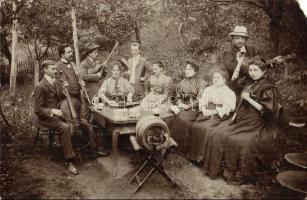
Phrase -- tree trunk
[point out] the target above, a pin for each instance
(13, 74)
(274, 35)
(75, 36)
(137, 32)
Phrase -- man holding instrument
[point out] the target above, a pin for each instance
(69, 71)
(236, 59)
(91, 72)
(48, 96)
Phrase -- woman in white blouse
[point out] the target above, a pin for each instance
(217, 102)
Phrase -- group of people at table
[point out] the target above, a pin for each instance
(226, 125)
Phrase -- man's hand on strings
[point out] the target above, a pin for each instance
(56, 112)
(82, 84)
(279, 59)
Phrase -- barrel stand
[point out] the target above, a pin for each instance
(152, 163)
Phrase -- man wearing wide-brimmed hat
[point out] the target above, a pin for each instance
(236, 58)
(90, 71)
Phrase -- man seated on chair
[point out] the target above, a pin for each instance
(48, 95)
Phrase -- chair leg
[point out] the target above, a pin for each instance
(50, 143)
(34, 141)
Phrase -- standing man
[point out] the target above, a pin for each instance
(236, 59)
(138, 66)
(69, 71)
(90, 71)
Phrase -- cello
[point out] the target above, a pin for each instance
(69, 106)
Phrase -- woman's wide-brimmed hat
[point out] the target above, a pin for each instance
(240, 31)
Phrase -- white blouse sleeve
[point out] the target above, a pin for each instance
(228, 102)
(103, 88)
(204, 100)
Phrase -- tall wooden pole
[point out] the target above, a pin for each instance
(13, 74)
(75, 36)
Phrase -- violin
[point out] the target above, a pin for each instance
(70, 107)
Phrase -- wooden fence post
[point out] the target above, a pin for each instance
(36, 72)
(13, 74)
(75, 36)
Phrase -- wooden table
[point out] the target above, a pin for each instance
(117, 127)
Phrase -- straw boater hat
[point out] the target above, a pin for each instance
(89, 48)
(240, 31)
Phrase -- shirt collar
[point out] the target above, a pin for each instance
(91, 59)
(137, 56)
(49, 79)
(64, 61)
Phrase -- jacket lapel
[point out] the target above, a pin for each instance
(90, 62)
(50, 87)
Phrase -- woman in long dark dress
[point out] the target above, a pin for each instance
(188, 92)
(251, 138)
(216, 103)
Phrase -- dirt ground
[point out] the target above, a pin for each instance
(52, 181)
(38, 178)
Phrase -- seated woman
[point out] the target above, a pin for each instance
(157, 89)
(254, 143)
(216, 104)
(250, 138)
(116, 88)
(188, 92)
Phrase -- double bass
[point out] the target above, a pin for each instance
(70, 107)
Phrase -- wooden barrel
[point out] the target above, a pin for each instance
(152, 131)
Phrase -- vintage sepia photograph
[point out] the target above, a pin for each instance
(153, 99)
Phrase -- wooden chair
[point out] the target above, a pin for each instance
(51, 134)
(53, 141)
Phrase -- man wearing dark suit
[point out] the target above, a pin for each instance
(69, 71)
(48, 94)
(90, 71)
(138, 66)
(240, 53)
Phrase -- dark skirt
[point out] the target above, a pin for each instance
(234, 141)
(180, 128)
(246, 123)
(250, 152)
(200, 135)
